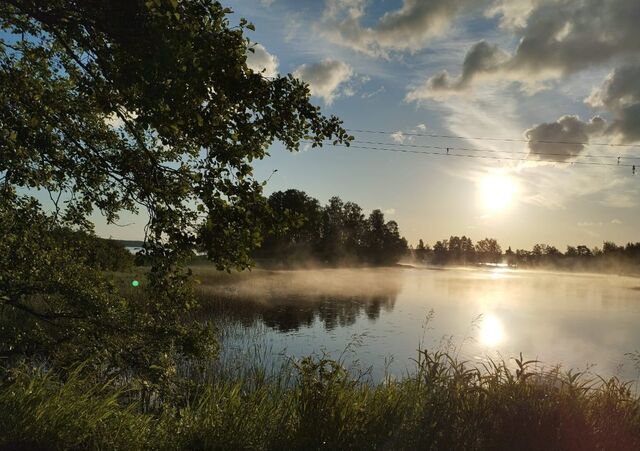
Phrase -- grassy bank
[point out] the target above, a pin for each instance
(315, 404)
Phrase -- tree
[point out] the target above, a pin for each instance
(510, 257)
(609, 247)
(332, 243)
(383, 242)
(140, 106)
(421, 251)
(489, 250)
(441, 252)
(571, 251)
(584, 251)
(295, 231)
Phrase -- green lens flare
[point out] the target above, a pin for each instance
(135, 283)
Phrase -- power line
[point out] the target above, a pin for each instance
(484, 157)
(470, 149)
(428, 135)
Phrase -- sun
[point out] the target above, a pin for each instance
(497, 191)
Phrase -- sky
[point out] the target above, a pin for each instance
(565, 71)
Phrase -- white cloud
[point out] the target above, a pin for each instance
(513, 13)
(408, 28)
(368, 95)
(619, 200)
(398, 137)
(327, 79)
(260, 60)
(588, 224)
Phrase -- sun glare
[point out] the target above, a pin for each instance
(497, 191)
(491, 331)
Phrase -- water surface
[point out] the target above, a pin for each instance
(581, 321)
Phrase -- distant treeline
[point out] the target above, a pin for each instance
(462, 251)
(337, 233)
(101, 253)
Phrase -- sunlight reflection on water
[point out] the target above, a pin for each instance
(575, 320)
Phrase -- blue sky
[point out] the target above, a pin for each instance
(511, 67)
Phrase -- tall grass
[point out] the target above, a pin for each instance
(444, 404)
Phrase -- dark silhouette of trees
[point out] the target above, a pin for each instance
(421, 251)
(296, 234)
(461, 251)
(489, 250)
(336, 234)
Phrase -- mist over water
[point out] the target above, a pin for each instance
(581, 321)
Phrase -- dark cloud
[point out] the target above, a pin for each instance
(408, 28)
(563, 139)
(326, 78)
(557, 38)
(482, 58)
(620, 95)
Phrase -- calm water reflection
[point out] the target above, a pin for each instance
(579, 321)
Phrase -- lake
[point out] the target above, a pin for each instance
(382, 316)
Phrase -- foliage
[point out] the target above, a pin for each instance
(130, 106)
(337, 233)
(444, 404)
(58, 304)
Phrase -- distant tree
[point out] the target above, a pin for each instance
(523, 256)
(455, 250)
(421, 251)
(632, 250)
(332, 246)
(572, 251)
(354, 225)
(295, 226)
(467, 250)
(510, 257)
(609, 248)
(488, 251)
(583, 251)
(441, 252)
(383, 242)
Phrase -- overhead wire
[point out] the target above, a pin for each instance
(477, 138)
(484, 157)
(473, 149)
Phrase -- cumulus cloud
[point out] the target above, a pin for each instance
(398, 136)
(327, 79)
(408, 28)
(513, 13)
(260, 60)
(481, 59)
(556, 38)
(563, 139)
(620, 94)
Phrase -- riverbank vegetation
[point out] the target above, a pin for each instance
(314, 404)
